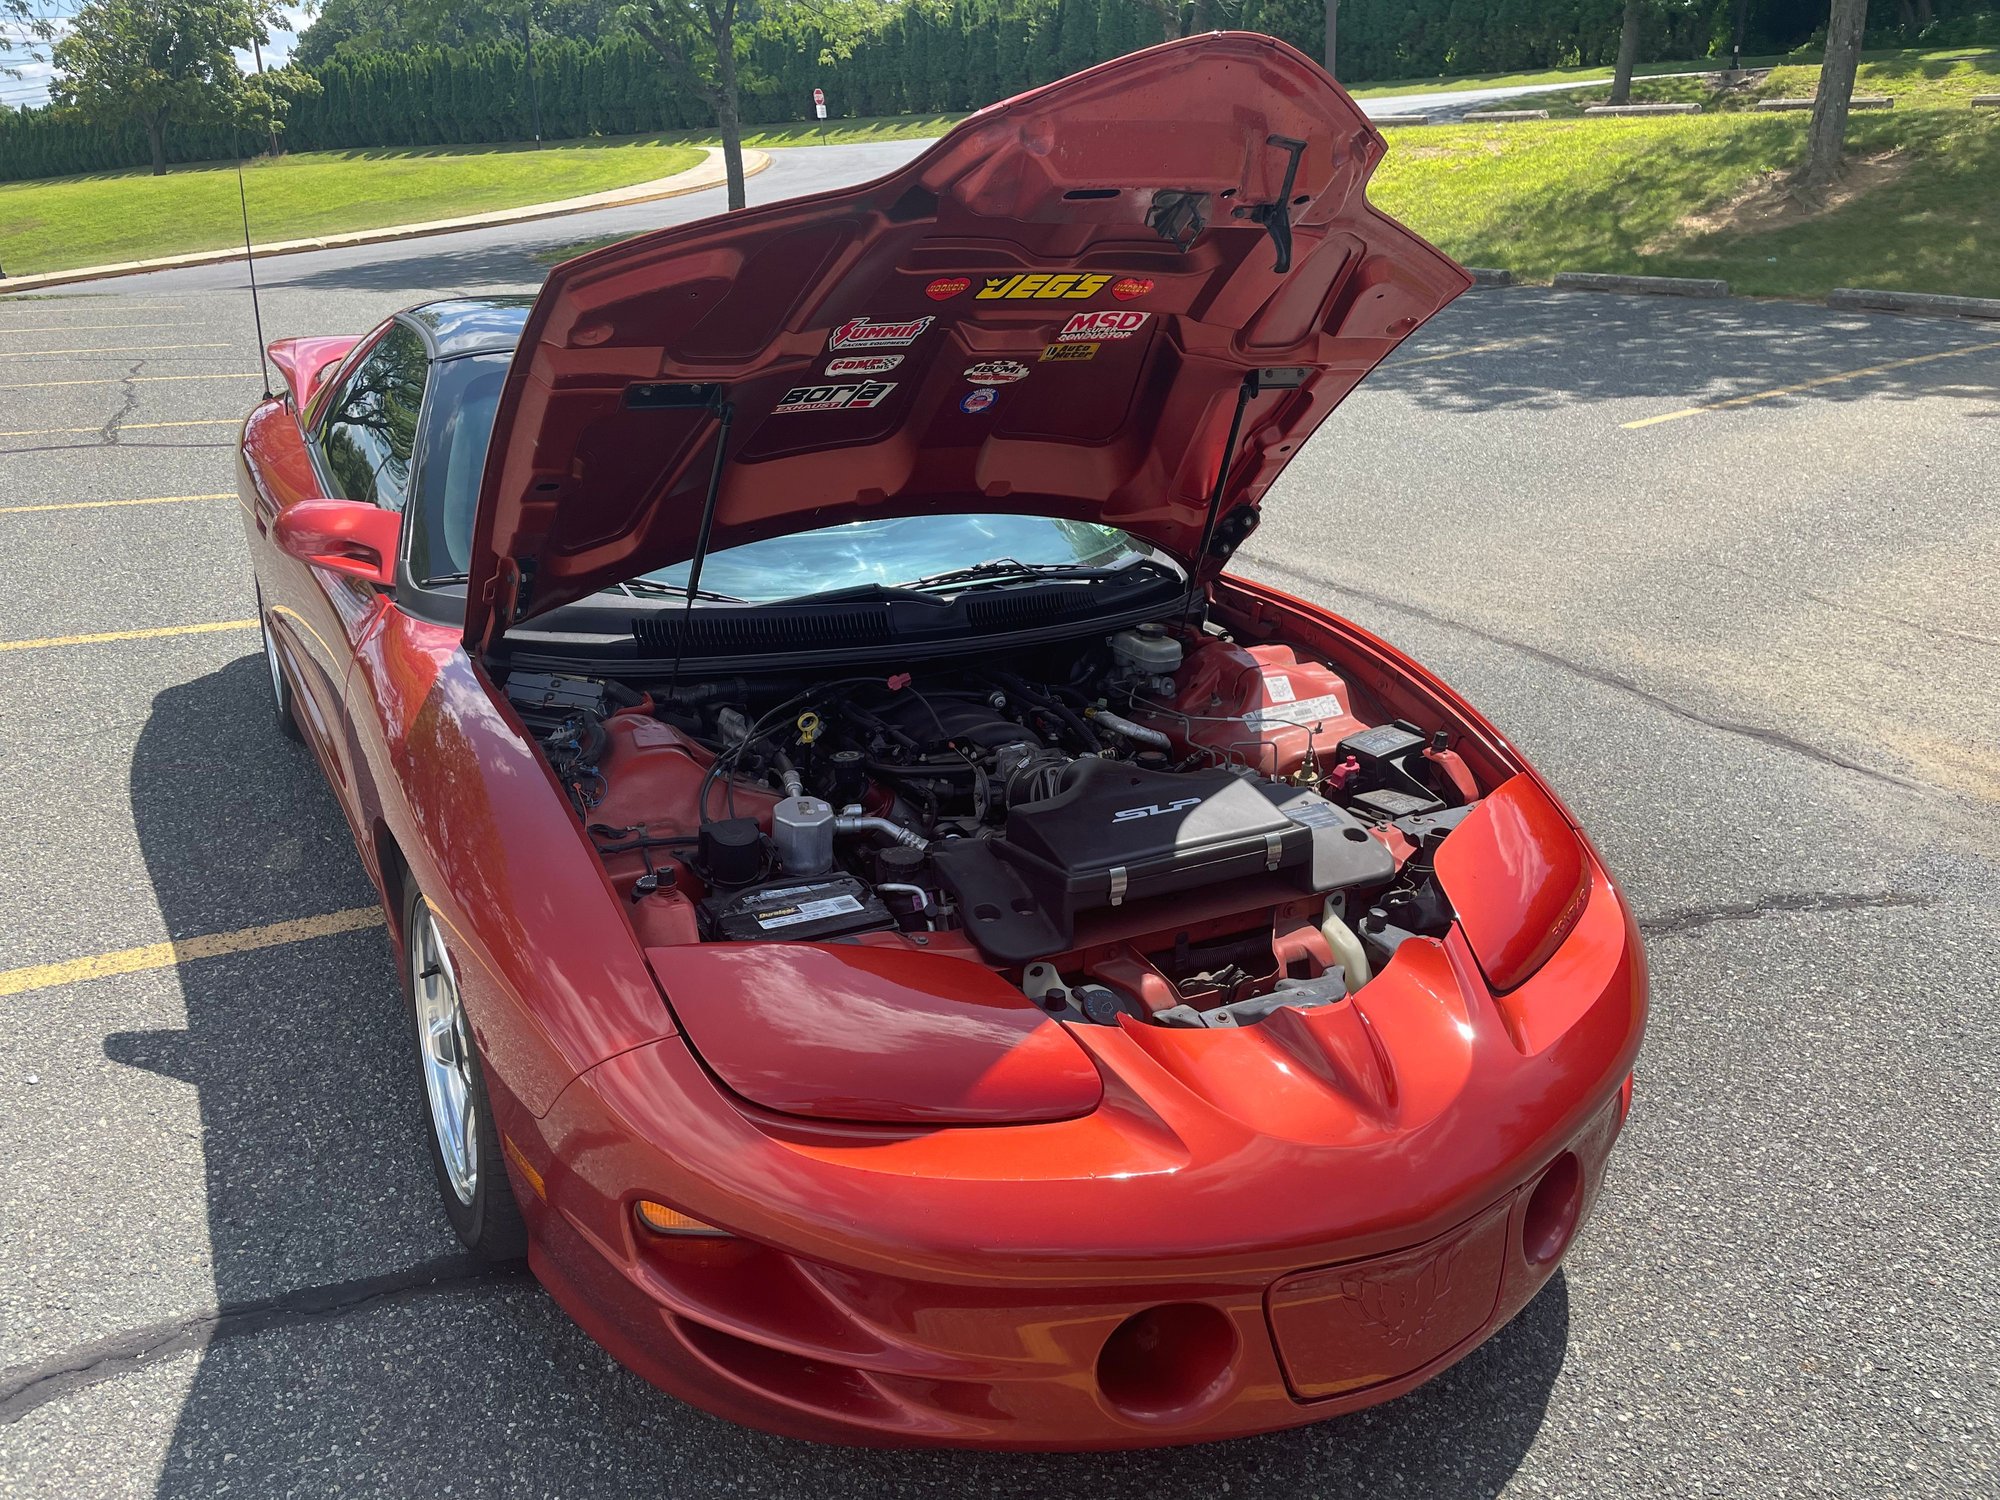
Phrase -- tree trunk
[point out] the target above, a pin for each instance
(1828, 131)
(156, 134)
(1332, 36)
(1924, 14)
(1628, 54)
(728, 119)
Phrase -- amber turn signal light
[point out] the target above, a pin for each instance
(663, 1220)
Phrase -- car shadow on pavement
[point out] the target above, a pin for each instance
(337, 1370)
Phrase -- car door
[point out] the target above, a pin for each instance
(363, 439)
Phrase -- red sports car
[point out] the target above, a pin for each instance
(910, 948)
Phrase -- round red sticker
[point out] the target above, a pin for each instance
(946, 287)
(1126, 288)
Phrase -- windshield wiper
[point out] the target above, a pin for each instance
(1008, 570)
(652, 586)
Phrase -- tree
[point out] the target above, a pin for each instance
(1628, 53)
(162, 63)
(1332, 36)
(1827, 135)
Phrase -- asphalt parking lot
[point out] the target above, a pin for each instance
(1726, 570)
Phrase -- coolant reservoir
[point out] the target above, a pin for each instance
(1262, 706)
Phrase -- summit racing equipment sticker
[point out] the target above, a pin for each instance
(1056, 352)
(1042, 286)
(997, 372)
(863, 364)
(947, 287)
(834, 397)
(865, 333)
(1102, 325)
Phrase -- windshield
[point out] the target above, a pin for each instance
(893, 550)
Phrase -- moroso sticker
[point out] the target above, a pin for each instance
(835, 397)
(1069, 351)
(1102, 325)
(997, 372)
(947, 287)
(1129, 287)
(979, 400)
(865, 333)
(1042, 286)
(863, 364)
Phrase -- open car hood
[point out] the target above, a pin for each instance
(1057, 310)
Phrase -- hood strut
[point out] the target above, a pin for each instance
(683, 397)
(1272, 378)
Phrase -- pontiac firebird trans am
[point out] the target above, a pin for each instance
(909, 948)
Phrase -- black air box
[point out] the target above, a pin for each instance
(1116, 833)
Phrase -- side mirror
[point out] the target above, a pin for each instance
(342, 536)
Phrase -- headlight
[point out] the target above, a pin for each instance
(1518, 878)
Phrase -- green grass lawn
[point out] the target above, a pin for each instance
(1615, 195)
(838, 132)
(58, 223)
(1943, 79)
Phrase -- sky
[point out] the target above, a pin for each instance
(29, 57)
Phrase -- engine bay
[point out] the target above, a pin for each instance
(1160, 824)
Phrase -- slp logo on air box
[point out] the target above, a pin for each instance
(1102, 325)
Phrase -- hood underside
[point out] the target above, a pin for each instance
(1057, 310)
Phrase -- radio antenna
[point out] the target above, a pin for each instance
(250, 262)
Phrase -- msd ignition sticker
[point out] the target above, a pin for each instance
(997, 372)
(1102, 325)
(1042, 286)
(866, 333)
(1068, 352)
(947, 287)
(979, 400)
(834, 397)
(863, 364)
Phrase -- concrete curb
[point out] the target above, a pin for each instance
(1501, 116)
(1664, 286)
(1986, 101)
(696, 179)
(1399, 119)
(1855, 299)
(1486, 276)
(1642, 109)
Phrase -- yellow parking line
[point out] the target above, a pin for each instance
(1806, 385)
(37, 385)
(1455, 353)
(21, 510)
(128, 635)
(124, 427)
(184, 950)
(108, 353)
(87, 327)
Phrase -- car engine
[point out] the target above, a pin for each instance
(1160, 824)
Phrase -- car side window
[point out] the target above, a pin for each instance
(370, 430)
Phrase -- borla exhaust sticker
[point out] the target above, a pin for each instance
(834, 397)
(997, 372)
(1042, 286)
(863, 364)
(979, 400)
(865, 333)
(1102, 325)
(1068, 352)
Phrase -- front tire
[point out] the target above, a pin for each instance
(282, 703)
(458, 1116)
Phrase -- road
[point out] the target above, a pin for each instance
(1754, 645)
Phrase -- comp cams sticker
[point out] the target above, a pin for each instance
(863, 364)
(997, 372)
(866, 333)
(834, 397)
(1086, 326)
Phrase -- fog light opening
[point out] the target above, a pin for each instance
(1553, 1208)
(662, 1220)
(1168, 1362)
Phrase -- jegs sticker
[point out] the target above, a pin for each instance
(1042, 286)
(866, 333)
(997, 372)
(863, 364)
(947, 287)
(1102, 325)
(1128, 287)
(1068, 352)
(979, 400)
(835, 397)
